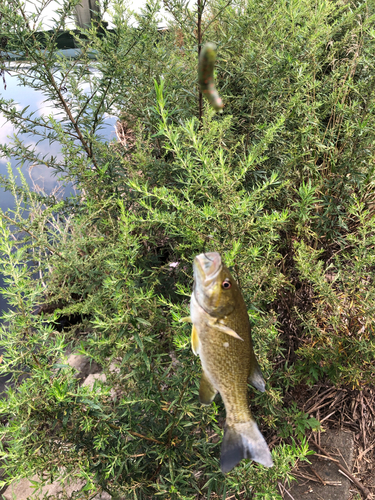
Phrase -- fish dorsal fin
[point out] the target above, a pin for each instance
(256, 378)
(225, 329)
(207, 391)
(194, 341)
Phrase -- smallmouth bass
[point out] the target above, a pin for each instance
(221, 337)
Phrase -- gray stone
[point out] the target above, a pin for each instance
(91, 379)
(340, 445)
(23, 490)
(84, 365)
(97, 377)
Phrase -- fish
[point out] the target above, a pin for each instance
(221, 336)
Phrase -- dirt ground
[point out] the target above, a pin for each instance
(348, 410)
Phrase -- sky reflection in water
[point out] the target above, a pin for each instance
(40, 175)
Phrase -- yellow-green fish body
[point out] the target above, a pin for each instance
(221, 337)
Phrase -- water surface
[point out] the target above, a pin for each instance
(40, 177)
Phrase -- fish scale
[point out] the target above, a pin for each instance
(233, 388)
(221, 336)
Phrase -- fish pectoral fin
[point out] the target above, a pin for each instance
(225, 329)
(256, 378)
(194, 341)
(186, 319)
(207, 391)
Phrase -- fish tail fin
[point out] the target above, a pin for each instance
(244, 440)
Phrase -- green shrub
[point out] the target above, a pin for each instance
(281, 184)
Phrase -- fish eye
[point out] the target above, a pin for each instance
(226, 284)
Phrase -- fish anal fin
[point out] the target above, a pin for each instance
(244, 440)
(225, 329)
(256, 378)
(207, 392)
(194, 341)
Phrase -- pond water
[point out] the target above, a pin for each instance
(39, 175)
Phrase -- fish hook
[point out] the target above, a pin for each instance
(207, 257)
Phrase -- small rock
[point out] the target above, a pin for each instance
(91, 379)
(23, 490)
(84, 365)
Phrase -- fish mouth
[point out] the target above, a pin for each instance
(207, 289)
(206, 267)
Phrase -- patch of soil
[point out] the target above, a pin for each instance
(347, 410)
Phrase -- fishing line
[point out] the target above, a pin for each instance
(207, 257)
(204, 246)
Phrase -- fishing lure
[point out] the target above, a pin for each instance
(206, 76)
